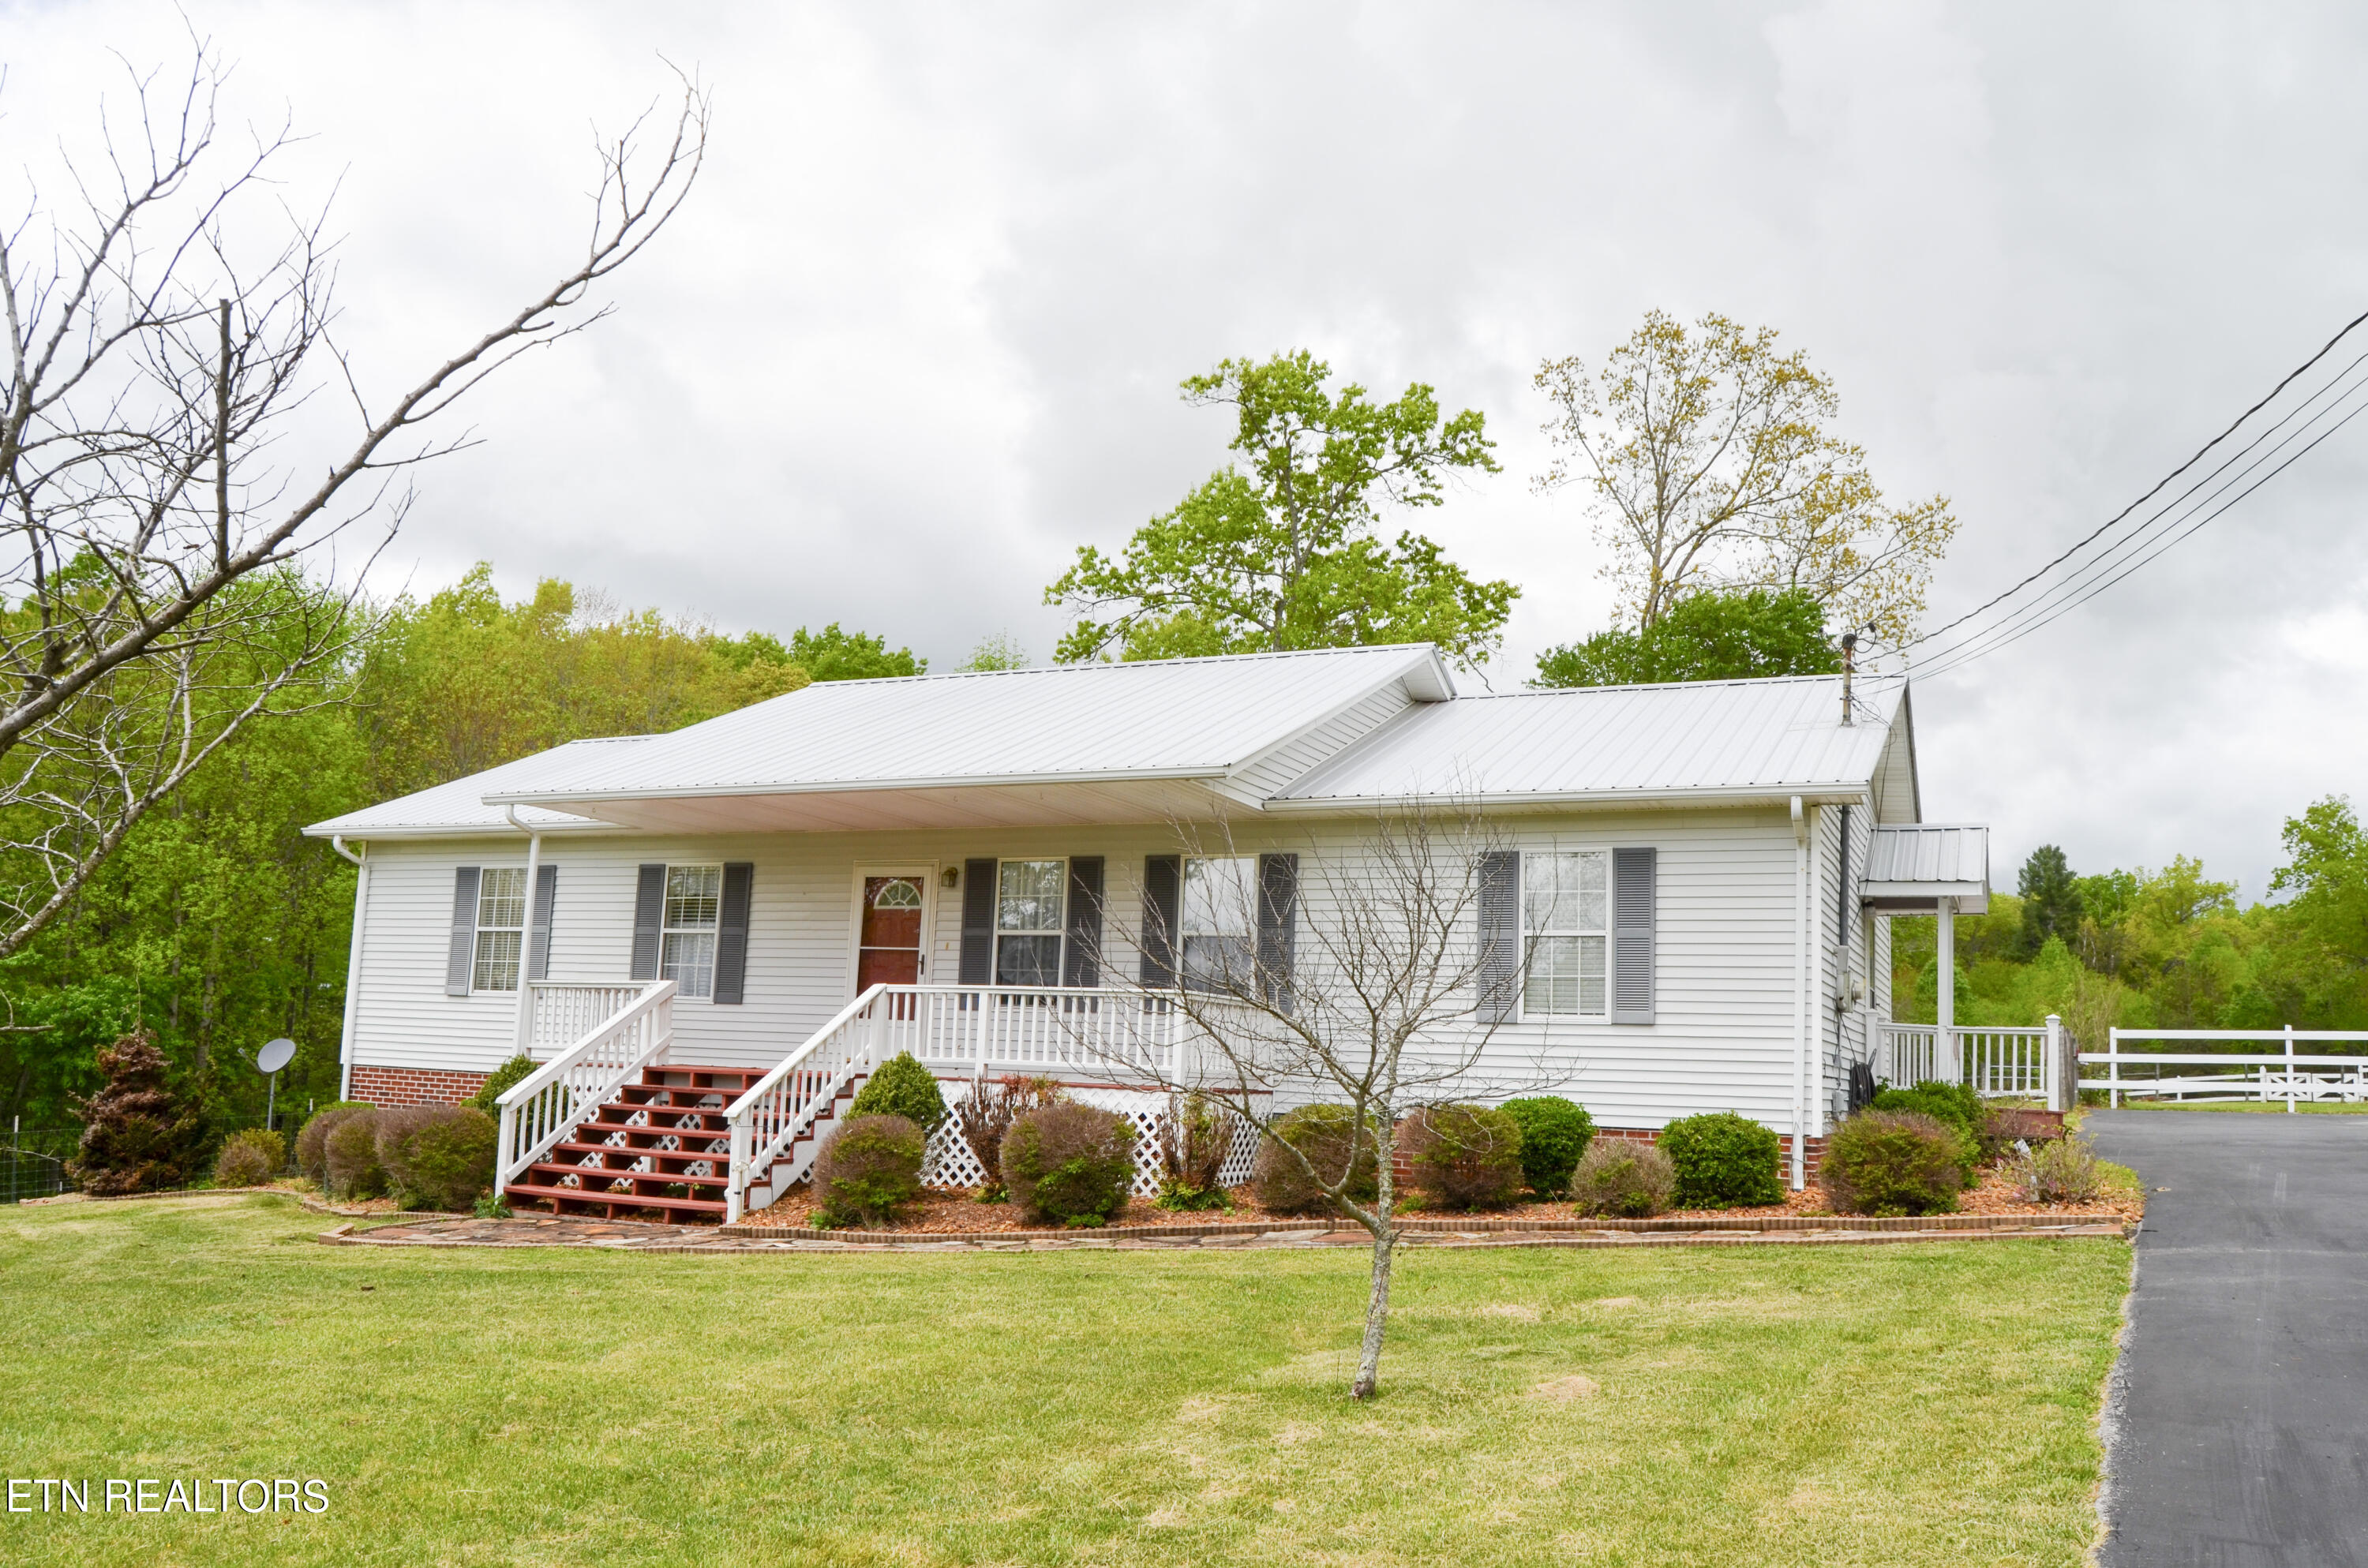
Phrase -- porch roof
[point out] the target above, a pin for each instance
(1911, 869)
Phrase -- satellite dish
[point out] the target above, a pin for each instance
(275, 1056)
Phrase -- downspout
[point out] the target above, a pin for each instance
(353, 965)
(1800, 991)
(524, 1026)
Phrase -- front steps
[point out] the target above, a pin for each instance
(658, 1150)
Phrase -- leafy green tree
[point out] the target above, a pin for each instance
(1000, 651)
(1704, 636)
(2050, 899)
(1284, 551)
(833, 654)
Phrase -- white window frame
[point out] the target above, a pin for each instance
(488, 958)
(1058, 930)
(669, 930)
(1238, 900)
(1578, 934)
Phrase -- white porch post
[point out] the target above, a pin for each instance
(1945, 1007)
(1800, 993)
(2051, 1070)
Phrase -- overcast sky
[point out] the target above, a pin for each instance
(917, 335)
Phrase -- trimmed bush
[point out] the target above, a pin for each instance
(439, 1156)
(1554, 1135)
(1194, 1138)
(986, 1113)
(1624, 1177)
(1723, 1160)
(1073, 1163)
(1321, 1133)
(138, 1135)
(2066, 1171)
(1955, 1104)
(1893, 1162)
(349, 1164)
(309, 1157)
(242, 1163)
(1463, 1157)
(902, 1086)
(871, 1168)
(507, 1076)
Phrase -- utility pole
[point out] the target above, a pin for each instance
(1850, 662)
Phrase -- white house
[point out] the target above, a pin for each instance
(712, 933)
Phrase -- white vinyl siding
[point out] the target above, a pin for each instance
(694, 908)
(501, 929)
(1566, 919)
(1028, 909)
(1219, 923)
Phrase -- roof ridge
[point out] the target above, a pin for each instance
(1863, 675)
(1079, 666)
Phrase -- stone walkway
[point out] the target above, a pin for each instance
(623, 1236)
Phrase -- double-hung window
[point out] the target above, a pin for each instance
(694, 906)
(1565, 916)
(1029, 905)
(1219, 923)
(501, 929)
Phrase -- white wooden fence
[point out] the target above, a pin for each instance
(2284, 1074)
(2016, 1062)
(542, 1109)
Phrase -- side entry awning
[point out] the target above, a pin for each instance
(1911, 868)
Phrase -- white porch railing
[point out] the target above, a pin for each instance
(2282, 1074)
(2012, 1063)
(561, 1012)
(981, 1029)
(545, 1106)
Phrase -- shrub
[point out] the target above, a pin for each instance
(2066, 1171)
(1723, 1159)
(1554, 1135)
(1070, 1163)
(1623, 1177)
(2007, 1125)
(1194, 1138)
(507, 1076)
(1463, 1157)
(251, 1158)
(492, 1205)
(1322, 1133)
(871, 1168)
(1893, 1162)
(349, 1163)
(138, 1135)
(983, 1116)
(1955, 1104)
(440, 1155)
(310, 1158)
(902, 1086)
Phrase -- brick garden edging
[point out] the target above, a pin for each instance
(1481, 1225)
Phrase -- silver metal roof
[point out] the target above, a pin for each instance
(460, 805)
(1751, 738)
(1909, 868)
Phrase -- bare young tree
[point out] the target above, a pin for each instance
(162, 519)
(1378, 1000)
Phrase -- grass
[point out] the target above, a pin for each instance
(1896, 1406)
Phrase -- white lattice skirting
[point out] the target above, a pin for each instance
(949, 1161)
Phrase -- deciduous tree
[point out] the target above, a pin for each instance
(1704, 636)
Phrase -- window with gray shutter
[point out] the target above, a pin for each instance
(462, 959)
(732, 933)
(1277, 925)
(1500, 935)
(649, 911)
(1081, 963)
(1633, 895)
(538, 942)
(1163, 900)
(978, 923)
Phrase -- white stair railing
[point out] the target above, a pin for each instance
(788, 1100)
(561, 1012)
(541, 1110)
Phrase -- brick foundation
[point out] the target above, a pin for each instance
(414, 1086)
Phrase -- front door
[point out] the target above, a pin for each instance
(889, 949)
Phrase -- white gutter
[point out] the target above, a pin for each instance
(353, 966)
(524, 1026)
(1800, 992)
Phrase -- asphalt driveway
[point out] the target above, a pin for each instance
(2237, 1429)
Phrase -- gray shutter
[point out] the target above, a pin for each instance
(1081, 957)
(732, 933)
(1278, 914)
(538, 937)
(1500, 936)
(1163, 911)
(978, 923)
(649, 910)
(462, 960)
(1633, 875)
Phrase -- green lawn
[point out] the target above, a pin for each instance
(1928, 1403)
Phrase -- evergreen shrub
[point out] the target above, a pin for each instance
(1554, 1135)
(311, 1157)
(439, 1156)
(1073, 1163)
(902, 1086)
(870, 1169)
(1723, 1160)
(507, 1076)
(349, 1163)
(1893, 1162)
(1625, 1177)
(138, 1135)
(1463, 1157)
(982, 1118)
(1322, 1133)
(1955, 1104)
(251, 1158)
